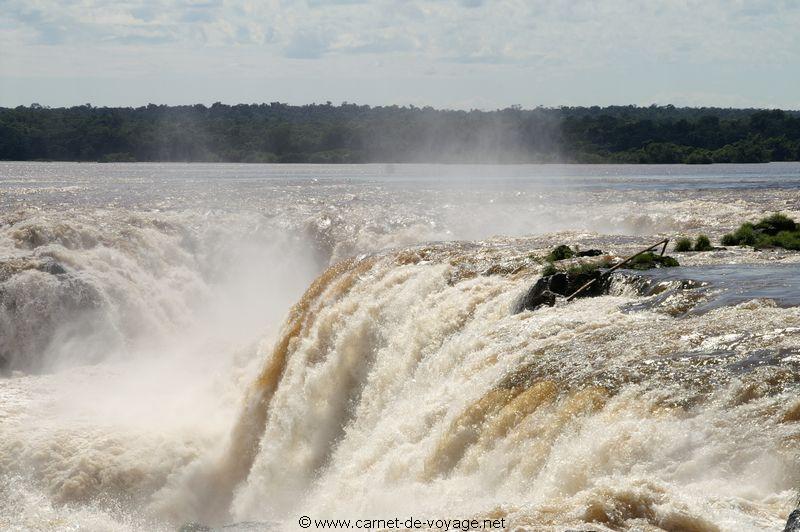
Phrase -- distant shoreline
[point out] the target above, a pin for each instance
(405, 163)
(353, 134)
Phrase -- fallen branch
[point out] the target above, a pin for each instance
(620, 265)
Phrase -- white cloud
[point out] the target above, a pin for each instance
(476, 39)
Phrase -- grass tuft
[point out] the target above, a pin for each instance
(683, 244)
(776, 230)
(787, 240)
(729, 240)
(549, 269)
(648, 260)
(588, 267)
(560, 253)
(703, 243)
(776, 223)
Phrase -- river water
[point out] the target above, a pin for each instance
(253, 343)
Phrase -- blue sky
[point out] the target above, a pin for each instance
(445, 53)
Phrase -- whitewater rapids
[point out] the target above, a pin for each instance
(183, 348)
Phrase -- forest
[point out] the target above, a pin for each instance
(350, 133)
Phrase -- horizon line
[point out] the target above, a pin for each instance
(344, 103)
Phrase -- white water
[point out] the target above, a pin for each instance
(403, 385)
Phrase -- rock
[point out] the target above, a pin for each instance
(548, 288)
(649, 260)
(535, 298)
(194, 527)
(793, 522)
(590, 253)
(538, 295)
(52, 267)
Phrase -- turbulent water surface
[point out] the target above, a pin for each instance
(243, 343)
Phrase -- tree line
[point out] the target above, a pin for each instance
(350, 133)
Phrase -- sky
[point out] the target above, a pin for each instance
(462, 54)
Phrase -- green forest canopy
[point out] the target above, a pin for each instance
(350, 133)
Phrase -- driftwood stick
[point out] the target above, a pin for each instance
(620, 265)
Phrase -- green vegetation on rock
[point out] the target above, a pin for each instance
(683, 244)
(586, 267)
(549, 269)
(560, 253)
(649, 260)
(746, 235)
(703, 243)
(775, 223)
(776, 230)
(786, 240)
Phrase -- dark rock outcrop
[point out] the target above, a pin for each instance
(195, 527)
(581, 272)
(590, 253)
(793, 522)
(550, 287)
(649, 260)
(52, 267)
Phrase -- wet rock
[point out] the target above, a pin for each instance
(579, 273)
(590, 253)
(647, 261)
(10, 267)
(793, 522)
(537, 296)
(51, 267)
(550, 287)
(194, 527)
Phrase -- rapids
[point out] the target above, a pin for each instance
(239, 343)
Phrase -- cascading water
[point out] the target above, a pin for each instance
(153, 377)
(410, 387)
